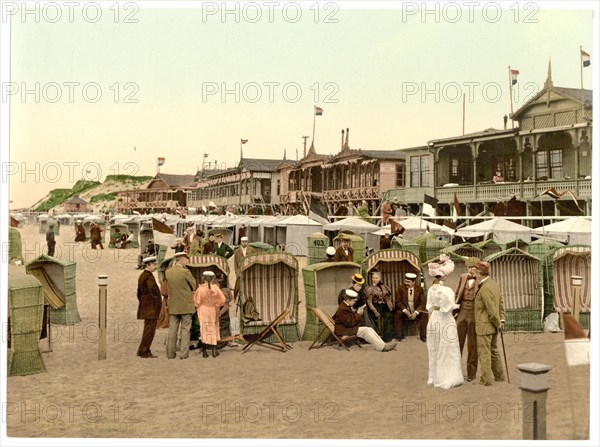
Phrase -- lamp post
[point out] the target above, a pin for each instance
(102, 284)
(576, 282)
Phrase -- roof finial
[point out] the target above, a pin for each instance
(346, 146)
(284, 154)
(549, 83)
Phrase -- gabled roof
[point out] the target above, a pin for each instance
(176, 180)
(260, 164)
(582, 97)
(76, 200)
(490, 132)
(396, 154)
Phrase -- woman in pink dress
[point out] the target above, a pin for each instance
(209, 298)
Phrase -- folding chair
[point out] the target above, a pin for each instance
(269, 330)
(329, 325)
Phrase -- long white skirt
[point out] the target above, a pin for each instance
(445, 370)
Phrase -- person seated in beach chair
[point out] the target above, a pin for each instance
(115, 238)
(150, 251)
(126, 240)
(347, 322)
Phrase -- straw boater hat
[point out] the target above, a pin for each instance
(218, 235)
(444, 267)
(344, 237)
(330, 251)
(149, 260)
(472, 262)
(208, 274)
(181, 254)
(358, 279)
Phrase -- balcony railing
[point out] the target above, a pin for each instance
(522, 190)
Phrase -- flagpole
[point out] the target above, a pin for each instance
(581, 66)
(314, 122)
(463, 114)
(241, 153)
(512, 123)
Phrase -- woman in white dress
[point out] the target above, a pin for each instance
(445, 370)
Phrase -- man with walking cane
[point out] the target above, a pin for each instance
(489, 321)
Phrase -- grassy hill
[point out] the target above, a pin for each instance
(100, 196)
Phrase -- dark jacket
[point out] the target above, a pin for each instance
(419, 299)
(148, 295)
(346, 320)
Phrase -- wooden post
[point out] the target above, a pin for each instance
(534, 392)
(102, 312)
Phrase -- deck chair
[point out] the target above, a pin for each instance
(329, 325)
(269, 330)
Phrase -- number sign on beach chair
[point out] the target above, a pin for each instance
(329, 325)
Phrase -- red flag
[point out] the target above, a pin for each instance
(552, 192)
(456, 211)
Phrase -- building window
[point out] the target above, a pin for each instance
(549, 164)
(454, 168)
(278, 187)
(419, 171)
(400, 175)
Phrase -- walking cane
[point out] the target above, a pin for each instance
(504, 352)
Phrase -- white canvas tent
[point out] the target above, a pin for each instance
(573, 231)
(501, 231)
(415, 226)
(293, 231)
(357, 226)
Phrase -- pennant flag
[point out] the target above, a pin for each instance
(552, 192)
(243, 141)
(205, 155)
(429, 205)
(585, 59)
(162, 233)
(577, 344)
(513, 76)
(449, 227)
(318, 111)
(160, 161)
(456, 211)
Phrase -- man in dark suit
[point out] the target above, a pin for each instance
(410, 305)
(50, 240)
(344, 253)
(489, 320)
(150, 301)
(221, 248)
(465, 321)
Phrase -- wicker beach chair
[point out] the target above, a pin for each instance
(329, 325)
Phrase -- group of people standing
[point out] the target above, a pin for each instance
(185, 298)
(473, 315)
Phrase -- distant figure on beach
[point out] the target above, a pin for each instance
(80, 232)
(445, 370)
(330, 254)
(150, 302)
(344, 253)
(498, 177)
(221, 248)
(50, 240)
(209, 246)
(96, 236)
(386, 212)
(380, 303)
(410, 306)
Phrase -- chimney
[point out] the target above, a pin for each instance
(342, 147)
(347, 136)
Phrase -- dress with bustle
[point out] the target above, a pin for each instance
(445, 370)
(208, 301)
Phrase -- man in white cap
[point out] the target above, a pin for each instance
(181, 305)
(347, 322)
(330, 252)
(410, 306)
(150, 301)
(241, 252)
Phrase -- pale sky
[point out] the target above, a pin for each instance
(368, 72)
